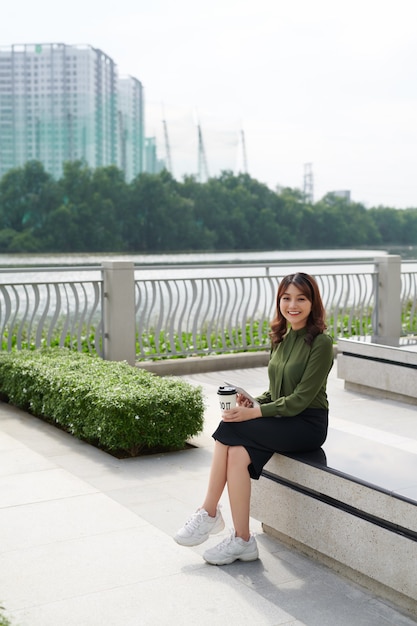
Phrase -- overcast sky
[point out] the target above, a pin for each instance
(309, 81)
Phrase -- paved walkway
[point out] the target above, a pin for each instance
(86, 539)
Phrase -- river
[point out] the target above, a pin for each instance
(272, 256)
(183, 265)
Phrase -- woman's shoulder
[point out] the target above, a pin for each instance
(323, 340)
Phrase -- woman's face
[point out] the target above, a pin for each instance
(295, 307)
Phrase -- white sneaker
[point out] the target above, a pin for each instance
(232, 549)
(198, 528)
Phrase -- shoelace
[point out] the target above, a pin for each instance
(194, 519)
(226, 541)
(229, 539)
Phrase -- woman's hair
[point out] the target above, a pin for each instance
(316, 322)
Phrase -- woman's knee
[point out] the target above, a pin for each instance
(238, 455)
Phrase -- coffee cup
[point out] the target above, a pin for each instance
(227, 397)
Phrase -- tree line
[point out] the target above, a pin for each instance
(95, 210)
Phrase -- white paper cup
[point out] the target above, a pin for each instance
(227, 397)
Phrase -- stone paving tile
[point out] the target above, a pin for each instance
(87, 538)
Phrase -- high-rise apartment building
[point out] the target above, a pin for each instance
(153, 165)
(60, 103)
(131, 126)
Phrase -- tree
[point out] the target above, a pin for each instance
(389, 223)
(27, 195)
(87, 209)
(339, 223)
(236, 212)
(293, 222)
(160, 218)
(409, 227)
(95, 210)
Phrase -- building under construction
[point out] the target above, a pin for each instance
(62, 103)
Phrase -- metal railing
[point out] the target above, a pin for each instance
(179, 312)
(197, 316)
(47, 312)
(409, 302)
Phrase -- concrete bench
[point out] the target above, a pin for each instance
(351, 505)
(388, 371)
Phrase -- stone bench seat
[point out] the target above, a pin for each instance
(352, 505)
(388, 371)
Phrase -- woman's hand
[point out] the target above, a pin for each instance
(243, 400)
(241, 414)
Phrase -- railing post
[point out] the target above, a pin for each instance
(388, 314)
(119, 311)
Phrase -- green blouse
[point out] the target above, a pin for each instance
(297, 375)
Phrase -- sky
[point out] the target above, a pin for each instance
(322, 82)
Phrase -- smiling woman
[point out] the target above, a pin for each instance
(291, 416)
(299, 303)
(295, 307)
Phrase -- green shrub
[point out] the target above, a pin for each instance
(110, 404)
(3, 619)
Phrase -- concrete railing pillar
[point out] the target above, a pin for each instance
(119, 311)
(388, 314)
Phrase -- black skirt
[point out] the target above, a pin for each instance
(265, 435)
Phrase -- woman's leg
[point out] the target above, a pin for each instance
(240, 545)
(217, 479)
(239, 488)
(207, 520)
(230, 464)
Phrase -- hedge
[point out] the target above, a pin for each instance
(124, 410)
(4, 621)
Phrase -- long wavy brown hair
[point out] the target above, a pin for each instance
(316, 322)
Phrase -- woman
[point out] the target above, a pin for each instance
(291, 416)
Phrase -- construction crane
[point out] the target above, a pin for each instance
(308, 186)
(202, 160)
(167, 148)
(244, 156)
